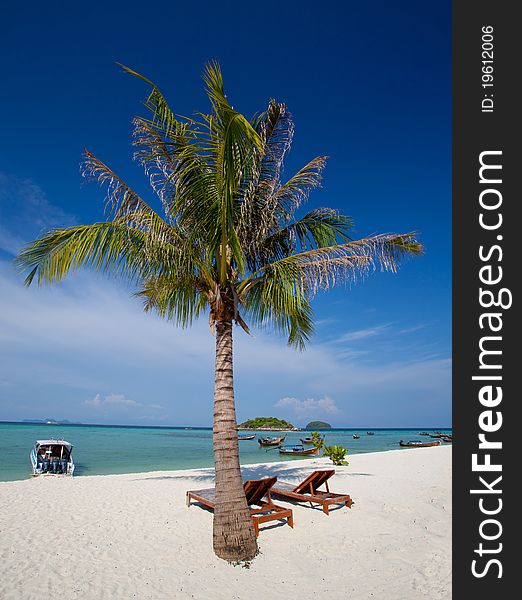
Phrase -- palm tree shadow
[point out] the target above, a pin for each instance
(282, 472)
(248, 472)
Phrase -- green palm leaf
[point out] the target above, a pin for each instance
(106, 247)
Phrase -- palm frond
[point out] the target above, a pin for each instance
(276, 129)
(281, 304)
(234, 142)
(181, 177)
(291, 195)
(270, 208)
(319, 228)
(322, 268)
(177, 298)
(106, 247)
(120, 199)
(157, 158)
(163, 117)
(175, 155)
(257, 217)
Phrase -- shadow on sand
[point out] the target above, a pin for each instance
(281, 471)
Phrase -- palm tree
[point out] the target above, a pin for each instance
(229, 243)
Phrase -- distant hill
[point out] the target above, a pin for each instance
(318, 425)
(268, 423)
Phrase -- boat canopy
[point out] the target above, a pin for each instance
(54, 443)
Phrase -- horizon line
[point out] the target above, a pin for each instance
(72, 424)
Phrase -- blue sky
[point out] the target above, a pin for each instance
(367, 83)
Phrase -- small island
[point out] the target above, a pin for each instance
(268, 424)
(318, 425)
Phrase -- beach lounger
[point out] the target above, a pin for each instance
(307, 491)
(255, 491)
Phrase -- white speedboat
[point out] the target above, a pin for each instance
(52, 457)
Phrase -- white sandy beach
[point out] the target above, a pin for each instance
(132, 536)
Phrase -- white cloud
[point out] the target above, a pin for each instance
(308, 407)
(24, 206)
(89, 315)
(10, 242)
(361, 334)
(118, 400)
(111, 400)
(153, 418)
(413, 329)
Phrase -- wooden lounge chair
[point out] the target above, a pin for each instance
(255, 490)
(307, 491)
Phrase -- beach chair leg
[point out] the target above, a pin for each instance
(326, 510)
(188, 499)
(349, 503)
(290, 520)
(256, 528)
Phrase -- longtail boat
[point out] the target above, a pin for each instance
(370, 433)
(448, 439)
(356, 436)
(419, 444)
(246, 437)
(271, 441)
(298, 450)
(310, 440)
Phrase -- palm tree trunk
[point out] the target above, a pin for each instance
(234, 536)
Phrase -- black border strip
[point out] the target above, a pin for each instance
(476, 131)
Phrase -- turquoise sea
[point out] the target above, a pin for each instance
(104, 450)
